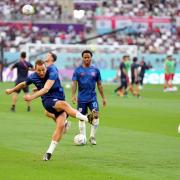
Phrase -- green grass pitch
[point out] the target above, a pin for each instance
(137, 140)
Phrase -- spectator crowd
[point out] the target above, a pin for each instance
(154, 40)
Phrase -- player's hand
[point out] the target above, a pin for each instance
(74, 99)
(27, 97)
(104, 102)
(8, 91)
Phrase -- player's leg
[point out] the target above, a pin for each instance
(14, 100)
(170, 82)
(57, 135)
(82, 107)
(63, 105)
(52, 116)
(141, 78)
(131, 88)
(166, 79)
(117, 89)
(120, 92)
(137, 89)
(126, 86)
(93, 106)
(26, 91)
(131, 85)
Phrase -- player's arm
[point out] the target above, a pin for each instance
(16, 88)
(13, 66)
(124, 71)
(11, 69)
(74, 88)
(101, 91)
(44, 90)
(30, 67)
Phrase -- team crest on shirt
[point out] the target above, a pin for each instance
(93, 74)
(82, 74)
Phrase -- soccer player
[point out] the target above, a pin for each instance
(169, 73)
(143, 67)
(135, 77)
(124, 78)
(49, 61)
(127, 63)
(22, 73)
(49, 88)
(127, 68)
(86, 76)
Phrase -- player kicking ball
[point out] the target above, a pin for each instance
(51, 92)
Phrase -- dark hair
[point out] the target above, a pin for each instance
(39, 62)
(87, 51)
(126, 55)
(23, 54)
(135, 59)
(53, 56)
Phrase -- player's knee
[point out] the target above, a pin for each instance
(96, 114)
(96, 122)
(62, 104)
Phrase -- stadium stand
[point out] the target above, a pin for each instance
(153, 40)
(53, 24)
(48, 10)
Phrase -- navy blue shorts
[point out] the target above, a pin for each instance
(25, 90)
(83, 107)
(49, 104)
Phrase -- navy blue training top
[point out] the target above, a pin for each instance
(87, 79)
(22, 70)
(56, 91)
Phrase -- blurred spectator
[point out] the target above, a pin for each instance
(47, 10)
(157, 40)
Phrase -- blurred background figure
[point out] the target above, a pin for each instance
(22, 67)
(135, 77)
(169, 69)
(143, 67)
(124, 78)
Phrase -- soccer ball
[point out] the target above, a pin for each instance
(28, 9)
(67, 86)
(179, 128)
(175, 88)
(79, 139)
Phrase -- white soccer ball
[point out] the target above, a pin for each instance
(67, 86)
(179, 128)
(175, 88)
(28, 9)
(79, 139)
